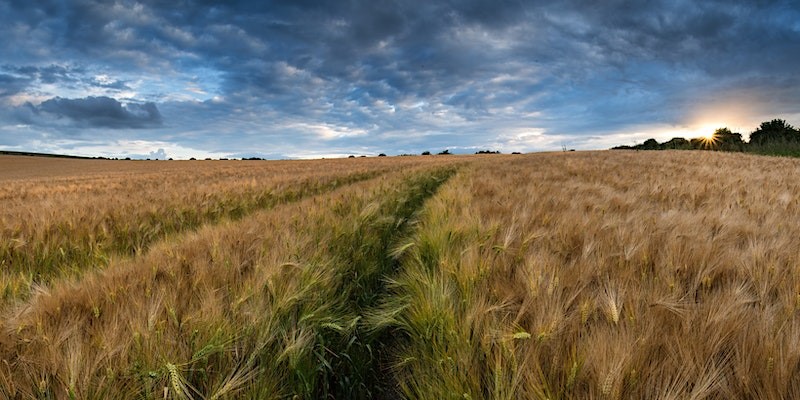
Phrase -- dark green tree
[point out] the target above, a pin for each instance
(651, 144)
(677, 143)
(775, 131)
(725, 140)
(697, 143)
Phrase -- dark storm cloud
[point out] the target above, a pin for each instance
(101, 112)
(10, 85)
(396, 73)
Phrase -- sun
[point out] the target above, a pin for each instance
(707, 133)
(709, 139)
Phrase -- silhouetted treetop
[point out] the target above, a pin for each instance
(724, 139)
(677, 143)
(774, 131)
(650, 144)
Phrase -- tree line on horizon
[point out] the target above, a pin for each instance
(775, 137)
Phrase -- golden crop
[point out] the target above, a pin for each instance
(606, 275)
(564, 275)
(61, 217)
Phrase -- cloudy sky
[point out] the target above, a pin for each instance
(304, 78)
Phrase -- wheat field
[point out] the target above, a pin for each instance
(600, 275)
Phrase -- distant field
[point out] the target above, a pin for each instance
(604, 275)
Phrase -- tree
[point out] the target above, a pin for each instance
(677, 143)
(426, 153)
(775, 131)
(444, 152)
(382, 155)
(725, 140)
(650, 144)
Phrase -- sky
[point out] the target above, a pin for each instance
(310, 79)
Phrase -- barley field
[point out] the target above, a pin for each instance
(585, 275)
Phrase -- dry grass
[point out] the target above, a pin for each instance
(604, 275)
(67, 216)
(257, 307)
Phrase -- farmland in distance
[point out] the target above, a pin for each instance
(602, 275)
